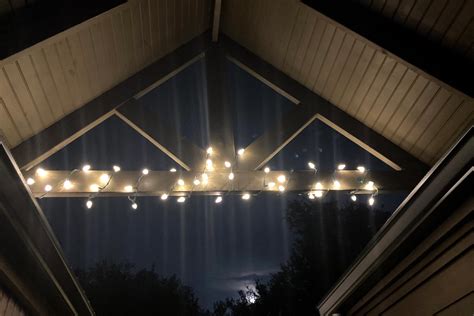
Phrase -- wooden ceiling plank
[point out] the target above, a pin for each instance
(33, 83)
(288, 65)
(70, 74)
(390, 8)
(8, 127)
(303, 46)
(112, 65)
(356, 77)
(463, 18)
(12, 106)
(434, 12)
(338, 66)
(129, 41)
(137, 34)
(327, 67)
(155, 28)
(446, 19)
(316, 37)
(403, 11)
(123, 68)
(347, 72)
(395, 100)
(386, 93)
(84, 83)
(23, 96)
(320, 55)
(90, 62)
(414, 113)
(435, 125)
(366, 82)
(144, 6)
(52, 59)
(417, 13)
(379, 84)
(422, 122)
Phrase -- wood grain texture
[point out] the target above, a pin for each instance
(45, 82)
(396, 99)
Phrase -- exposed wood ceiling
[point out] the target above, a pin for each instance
(42, 84)
(412, 109)
(449, 22)
(47, 81)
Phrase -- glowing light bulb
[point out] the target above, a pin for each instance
(370, 186)
(371, 201)
(104, 178)
(86, 168)
(48, 188)
(30, 181)
(164, 196)
(89, 203)
(311, 165)
(180, 182)
(281, 178)
(227, 164)
(196, 182)
(311, 196)
(241, 152)
(173, 170)
(67, 184)
(266, 170)
(134, 205)
(209, 163)
(41, 172)
(361, 169)
(271, 185)
(281, 188)
(181, 199)
(116, 168)
(128, 188)
(231, 176)
(218, 199)
(209, 151)
(337, 184)
(246, 196)
(205, 178)
(319, 186)
(145, 171)
(341, 166)
(353, 197)
(94, 187)
(318, 194)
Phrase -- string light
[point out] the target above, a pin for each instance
(116, 168)
(196, 182)
(89, 203)
(266, 170)
(30, 181)
(281, 178)
(337, 184)
(205, 178)
(173, 170)
(41, 172)
(209, 151)
(94, 187)
(311, 165)
(180, 182)
(361, 169)
(218, 199)
(371, 201)
(67, 184)
(271, 185)
(311, 196)
(104, 178)
(164, 196)
(227, 164)
(128, 188)
(319, 186)
(241, 152)
(341, 166)
(48, 188)
(246, 196)
(231, 176)
(318, 194)
(145, 171)
(353, 197)
(370, 186)
(281, 188)
(86, 168)
(209, 164)
(181, 199)
(134, 205)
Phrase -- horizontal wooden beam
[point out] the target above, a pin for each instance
(44, 144)
(159, 182)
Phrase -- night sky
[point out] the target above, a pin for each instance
(216, 249)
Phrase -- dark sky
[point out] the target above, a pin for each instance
(216, 249)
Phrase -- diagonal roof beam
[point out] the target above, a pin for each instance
(356, 131)
(54, 138)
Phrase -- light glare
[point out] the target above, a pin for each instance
(116, 168)
(341, 166)
(209, 151)
(318, 194)
(271, 185)
(30, 181)
(145, 171)
(134, 205)
(196, 182)
(173, 170)
(48, 188)
(361, 169)
(353, 197)
(311, 165)
(241, 151)
(67, 184)
(281, 178)
(181, 199)
(231, 176)
(104, 178)
(266, 170)
(41, 172)
(89, 204)
(86, 168)
(337, 184)
(180, 182)
(164, 196)
(218, 199)
(246, 196)
(227, 164)
(371, 201)
(128, 188)
(94, 187)
(281, 188)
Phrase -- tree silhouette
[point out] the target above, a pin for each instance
(114, 289)
(327, 240)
